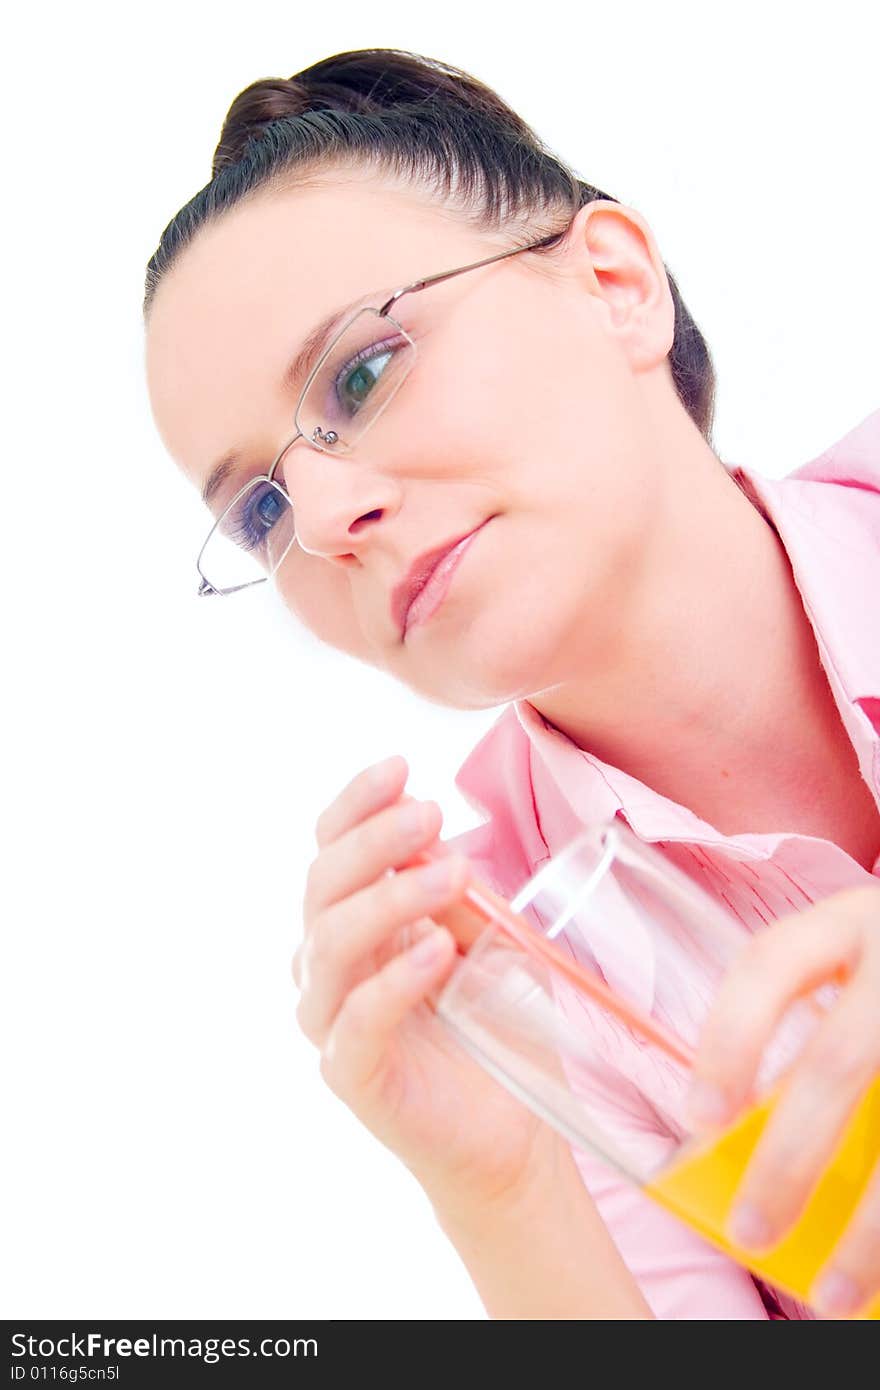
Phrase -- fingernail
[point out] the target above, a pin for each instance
(836, 1294)
(748, 1227)
(429, 950)
(707, 1104)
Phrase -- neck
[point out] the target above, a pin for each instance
(715, 695)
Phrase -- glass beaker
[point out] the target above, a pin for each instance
(584, 996)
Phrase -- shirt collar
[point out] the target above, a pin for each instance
(827, 514)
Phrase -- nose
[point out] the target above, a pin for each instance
(336, 498)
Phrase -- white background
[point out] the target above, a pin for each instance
(171, 1149)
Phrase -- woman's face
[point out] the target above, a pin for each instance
(533, 406)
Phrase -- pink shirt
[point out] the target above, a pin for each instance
(537, 787)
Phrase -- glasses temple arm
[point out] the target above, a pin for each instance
(206, 589)
(460, 270)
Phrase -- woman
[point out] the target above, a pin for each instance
(544, 396)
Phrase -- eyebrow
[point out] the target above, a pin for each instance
(294, 375)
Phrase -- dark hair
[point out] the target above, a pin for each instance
(424, 120)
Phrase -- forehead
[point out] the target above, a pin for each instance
(244, 294)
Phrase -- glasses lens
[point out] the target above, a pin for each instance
(361, 372)
(251, 538)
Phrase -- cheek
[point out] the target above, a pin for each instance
(320, 599)
(538, 412)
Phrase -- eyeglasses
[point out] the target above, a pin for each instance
(352, 384)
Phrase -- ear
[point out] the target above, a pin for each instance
(615, 250)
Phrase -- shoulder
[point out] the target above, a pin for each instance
(853, 461)
(834, 498)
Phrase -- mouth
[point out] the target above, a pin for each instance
(422, 590)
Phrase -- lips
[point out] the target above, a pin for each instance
(407, 591)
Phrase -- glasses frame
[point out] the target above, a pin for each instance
(205, 586)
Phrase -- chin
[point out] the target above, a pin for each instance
(485, 668)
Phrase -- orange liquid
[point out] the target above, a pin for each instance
(700, 1185)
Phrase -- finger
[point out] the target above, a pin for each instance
(407, 936)
(809, 1119)
(788, 959)
(370, 790)
(386, 839)
(336, 954)
(413, 931)
(357, 1046)
(853, 1275)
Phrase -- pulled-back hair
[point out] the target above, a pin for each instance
(429, 123)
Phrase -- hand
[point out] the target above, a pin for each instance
(837, 940)
(364, 992)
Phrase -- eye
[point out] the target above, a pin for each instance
(257, 514)
(354, 382)
(357, 377)
(268, 508)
